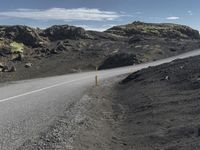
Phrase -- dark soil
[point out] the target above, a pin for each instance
(162, 107)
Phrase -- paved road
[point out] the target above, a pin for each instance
(27, 107)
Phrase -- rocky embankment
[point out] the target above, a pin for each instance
(162, 106)
(29, 53)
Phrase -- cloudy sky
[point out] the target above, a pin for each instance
(98, 14)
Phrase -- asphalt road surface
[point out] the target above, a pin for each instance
(28, 107)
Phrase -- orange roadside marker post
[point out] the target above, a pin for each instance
(96, 77)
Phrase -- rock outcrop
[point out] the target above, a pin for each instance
(165, 30)
(23, 34)
(119, 60)
(62, 32)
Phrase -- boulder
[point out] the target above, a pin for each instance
(119, 60)
(19, 57)
(3, 54)
(12, 69)
(8, 67)
(23, 34)
(5, 69)
(62, 32)
(28, 65)
(62, 46)
(54, 51)
(136, 39)
(1, 65)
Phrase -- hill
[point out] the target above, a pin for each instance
(165, 30)
(27, 52)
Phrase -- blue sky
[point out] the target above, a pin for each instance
(98, 14)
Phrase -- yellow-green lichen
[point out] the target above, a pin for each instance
(17, 47)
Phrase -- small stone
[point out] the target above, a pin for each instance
(19, 57)
(13, 69)
(167, 78)
(1, 65)
(5, 69)
(54, 51)
(28, 65)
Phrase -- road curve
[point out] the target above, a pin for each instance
(28, 107)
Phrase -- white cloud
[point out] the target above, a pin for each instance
(190, 12)
(62, 14)
(95, 28)
(172, 18)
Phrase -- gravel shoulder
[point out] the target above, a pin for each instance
(153, 109)
(86, 124)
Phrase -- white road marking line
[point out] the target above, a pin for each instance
(185, 55)
(42, 89)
